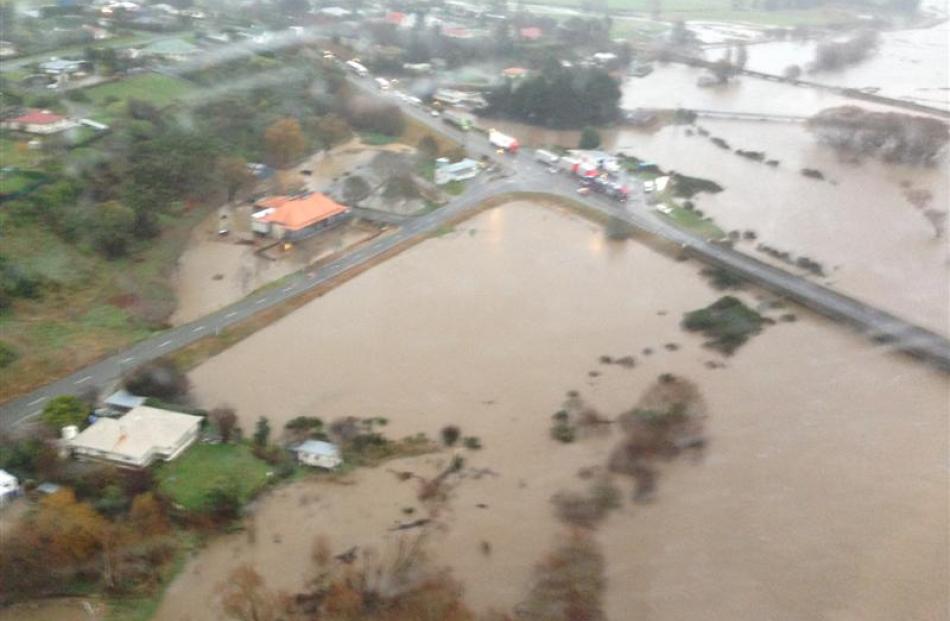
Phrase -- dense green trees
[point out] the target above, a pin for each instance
(590, 139)
(65, 410)
(559, 97)
(111, 228)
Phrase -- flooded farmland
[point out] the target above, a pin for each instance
(822, 495)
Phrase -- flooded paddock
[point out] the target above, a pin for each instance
(823, 493)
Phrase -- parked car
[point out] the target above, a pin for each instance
(583, 191)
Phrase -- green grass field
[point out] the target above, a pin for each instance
(158, 90)
(188, 479)
(16, 157)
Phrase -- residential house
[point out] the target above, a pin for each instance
(514, 72)
(451, 97)
(297, 217)
(138, 438)
(531, 33)
(9, 487)
(446, 172)
(336, 12)
(34, 121)
(61, 66)
(318, 453)
(171, 49)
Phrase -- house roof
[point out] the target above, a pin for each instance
(298, 212)
(459, 166)
(60, 64)
(7, 479)
(133, 436)
(124, 399)
(38, 117)
(319, 448)
(514, 72)
(530, 32)
(171, 47)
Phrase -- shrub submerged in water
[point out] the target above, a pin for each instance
(727, 322)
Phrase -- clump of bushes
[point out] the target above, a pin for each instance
(727, 323)
(161, 379)
(450, 435)
(472, 443)
(721, 278)
(562, 430)
(8, 354)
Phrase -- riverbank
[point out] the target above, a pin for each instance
(488, 326)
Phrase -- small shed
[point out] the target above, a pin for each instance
(123, 401)
(318, 453)
(9, 487)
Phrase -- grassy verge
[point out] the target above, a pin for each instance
(691, 221)
(189, 479)
(376, 139)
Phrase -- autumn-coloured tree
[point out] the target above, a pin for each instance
(147, 516)
(332, 130)
(284, 141)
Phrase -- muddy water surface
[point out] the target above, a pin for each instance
(824, 490)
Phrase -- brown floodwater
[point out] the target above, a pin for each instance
(823, 493)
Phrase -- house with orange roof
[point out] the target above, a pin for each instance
(296, 217)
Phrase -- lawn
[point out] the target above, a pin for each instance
(188, 479)
(159, 90)
(16, 156)
(691, 221)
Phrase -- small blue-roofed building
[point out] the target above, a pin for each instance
(319, 453)
(459, 171)
(122, 401)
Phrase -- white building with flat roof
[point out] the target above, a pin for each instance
(9, 487)
(138, 438)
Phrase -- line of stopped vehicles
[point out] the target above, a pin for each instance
(597, 171)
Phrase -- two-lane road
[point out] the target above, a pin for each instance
(518, 174)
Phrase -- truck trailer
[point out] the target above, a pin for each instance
(546, 157)
(357, 68)
(503, 141)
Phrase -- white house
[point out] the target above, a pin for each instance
(459, 171)
(9, 487)
(138, 438)
(39, 122)
(320, 454)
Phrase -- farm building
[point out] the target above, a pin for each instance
(296, 217)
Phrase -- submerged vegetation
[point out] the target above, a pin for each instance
(728, 323)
